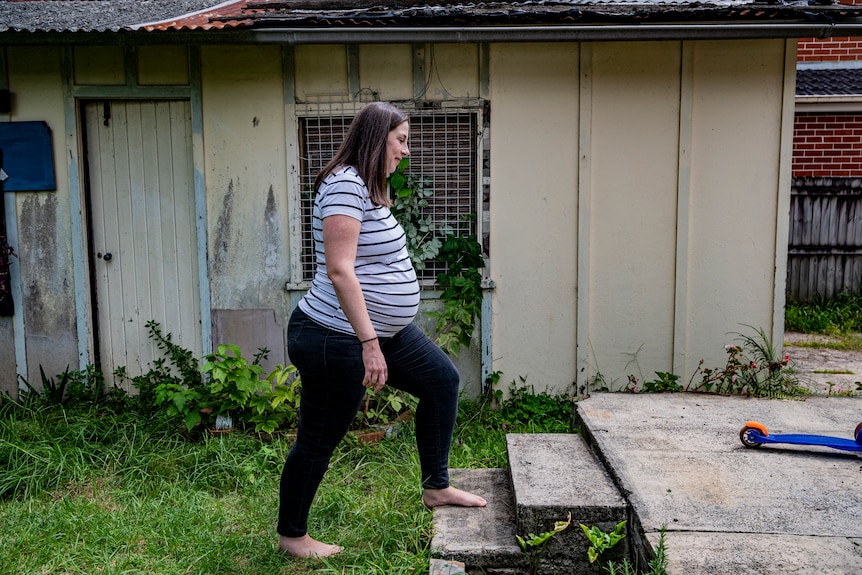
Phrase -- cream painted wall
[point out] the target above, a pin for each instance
(321, 73)
(163, 65)
(633, 158)
(534, 134)
(387, 70)
(451, 71)
(736, 137)
(669, 163)
(44, 225)
(244, 143)
(99, 65)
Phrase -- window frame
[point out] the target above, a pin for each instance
(298, 229)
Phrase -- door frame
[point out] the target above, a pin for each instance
(81, 261)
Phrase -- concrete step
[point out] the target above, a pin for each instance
(480, 538)
(550, 476)
(557, 474)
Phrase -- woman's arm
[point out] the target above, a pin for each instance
(340, 239)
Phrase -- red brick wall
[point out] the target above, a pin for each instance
(827, 144)
(829, 50)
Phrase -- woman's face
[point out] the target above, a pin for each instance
(396, 146)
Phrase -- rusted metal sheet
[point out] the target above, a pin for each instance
(231, 14)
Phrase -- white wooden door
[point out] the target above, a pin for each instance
(143, 242)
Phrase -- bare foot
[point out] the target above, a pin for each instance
(305, 547)
(451, 496)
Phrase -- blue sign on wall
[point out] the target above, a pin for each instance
(26, 157)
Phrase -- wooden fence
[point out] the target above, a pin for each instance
(824, 255)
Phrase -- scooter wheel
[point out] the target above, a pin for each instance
(751, 430)
(858, 434)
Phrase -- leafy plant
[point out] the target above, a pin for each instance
(226, 384)
(235, 388)
(665, 382)
(752, 368)
(541, 412)
(409, 206)
(534, 545)
(841, 314)
(53, 392)
(657, 565)
(462, 292)
(71, 387)
(384, 407)
(183, 361)
(278, 408)
(234, 382)
(178, 369)
(601, 541)
(461, 282)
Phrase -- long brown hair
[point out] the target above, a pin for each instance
(364, 148)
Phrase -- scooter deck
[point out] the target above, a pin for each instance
(754, 434)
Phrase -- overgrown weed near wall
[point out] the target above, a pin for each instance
(840, 315)
(754, 367)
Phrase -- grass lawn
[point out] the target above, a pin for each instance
(84, 491)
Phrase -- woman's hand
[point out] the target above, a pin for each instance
(376, 372)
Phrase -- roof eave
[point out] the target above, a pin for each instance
(557, 33)
(447, 34)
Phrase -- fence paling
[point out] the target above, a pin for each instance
(824, 255)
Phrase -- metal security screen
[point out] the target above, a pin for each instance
(443, 149)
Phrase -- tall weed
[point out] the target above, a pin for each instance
(839, 315)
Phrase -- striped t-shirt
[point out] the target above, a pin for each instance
(383, 265)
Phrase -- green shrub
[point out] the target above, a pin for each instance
(235, 389)
(753, 367)
(841, 314)
(526, 410)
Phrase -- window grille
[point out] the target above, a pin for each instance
(443, 150)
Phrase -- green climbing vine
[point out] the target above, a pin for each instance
(409, 204)
(462, 292)
(427, 240)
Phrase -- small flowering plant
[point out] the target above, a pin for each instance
(752, 368)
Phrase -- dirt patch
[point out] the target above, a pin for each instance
(821, 369)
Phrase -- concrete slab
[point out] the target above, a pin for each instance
(772, 554)
(729, 509)
(479, 537)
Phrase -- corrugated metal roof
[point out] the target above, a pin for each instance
(377, 13)
(90, 15)
(161, 15)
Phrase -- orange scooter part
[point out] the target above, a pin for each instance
(756, 426)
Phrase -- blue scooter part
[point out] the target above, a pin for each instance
(754, 434)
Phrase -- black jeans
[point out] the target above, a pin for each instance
(330, 366)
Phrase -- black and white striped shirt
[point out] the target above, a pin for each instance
(383, 265)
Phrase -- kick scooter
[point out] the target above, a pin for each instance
(754, 434)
